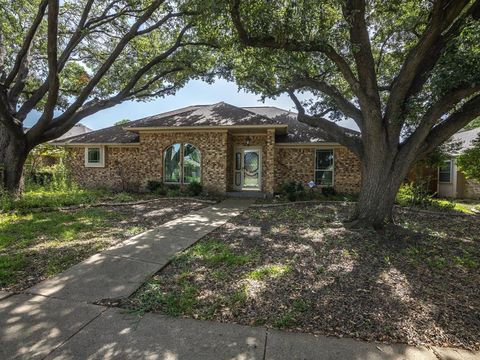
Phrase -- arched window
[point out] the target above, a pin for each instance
(182, 164)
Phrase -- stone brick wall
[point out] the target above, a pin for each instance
(137, 165)
(212, 146)
(120, 171)
(293, 164)
(132, 167)
(298, 164)
(348, 170)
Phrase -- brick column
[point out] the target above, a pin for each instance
(269, 163)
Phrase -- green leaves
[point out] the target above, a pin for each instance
(469, 161)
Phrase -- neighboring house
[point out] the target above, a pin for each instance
(452, 182)
(77, 129)
(225, 148)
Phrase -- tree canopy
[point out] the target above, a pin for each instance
(79, 57)
(70, 59)
(407, 72)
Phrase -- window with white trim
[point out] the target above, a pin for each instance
(181, 164)
(324, 167)
(95, 156)
(445, 172)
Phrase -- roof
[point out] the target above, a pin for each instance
(298, 132)
(77, 129)
(220, 114)
(465, 139)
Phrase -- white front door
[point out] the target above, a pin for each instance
(247, 168)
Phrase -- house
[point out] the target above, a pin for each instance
(77, 129)
(224, 147)
(451, 182)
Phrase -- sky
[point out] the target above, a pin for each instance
(196, 92)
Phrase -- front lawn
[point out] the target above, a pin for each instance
(297, 267)
(35, 245)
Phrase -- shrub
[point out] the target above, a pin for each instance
(162, 191)
(294, 191)
(154, 185)
(194, 188)
(328, 191)
(414, 194)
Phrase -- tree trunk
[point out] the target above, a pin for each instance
(13, 154)
(380, 184)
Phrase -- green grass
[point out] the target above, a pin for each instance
(269, 271)
(175, 303)
(46, 243)
(40, 197)
(215, 253)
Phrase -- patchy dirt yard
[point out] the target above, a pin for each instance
(36, 245)
(297, 267)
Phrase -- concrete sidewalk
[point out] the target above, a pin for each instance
(37, 327)
(119, 271)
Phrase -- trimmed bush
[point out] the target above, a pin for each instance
(194, 188)
(328, 191)
(154, 185)
(294, 191)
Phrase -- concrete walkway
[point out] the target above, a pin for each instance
(119, 271)
(57, 320)
(37, 327)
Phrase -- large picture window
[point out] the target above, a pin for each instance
(182, 164)
(445, 172)
(324, 167)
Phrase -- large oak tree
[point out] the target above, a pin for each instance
(68, 60)
(406, 72)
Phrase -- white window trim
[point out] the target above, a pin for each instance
(451, 173)
(315, 167)
(102, 157)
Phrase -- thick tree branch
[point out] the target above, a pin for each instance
(332, 132)
(447, 128)
(53, 80)
(292, 45)
(107, 64)
(423, 57)
(75, 39)
(345, 106)
(354, 13)
(27, 42)
(410, 147)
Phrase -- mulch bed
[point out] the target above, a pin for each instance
(417, 282)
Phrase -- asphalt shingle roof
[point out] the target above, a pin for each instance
(220, 114)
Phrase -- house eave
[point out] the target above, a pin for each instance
(308, 144)
(206, 127)
(99, 144)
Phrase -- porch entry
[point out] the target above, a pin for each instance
(247, 168)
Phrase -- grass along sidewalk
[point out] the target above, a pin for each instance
(297, 267)
(37, 245)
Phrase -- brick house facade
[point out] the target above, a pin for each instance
(234, 149)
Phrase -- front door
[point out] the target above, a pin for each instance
(248, 169)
